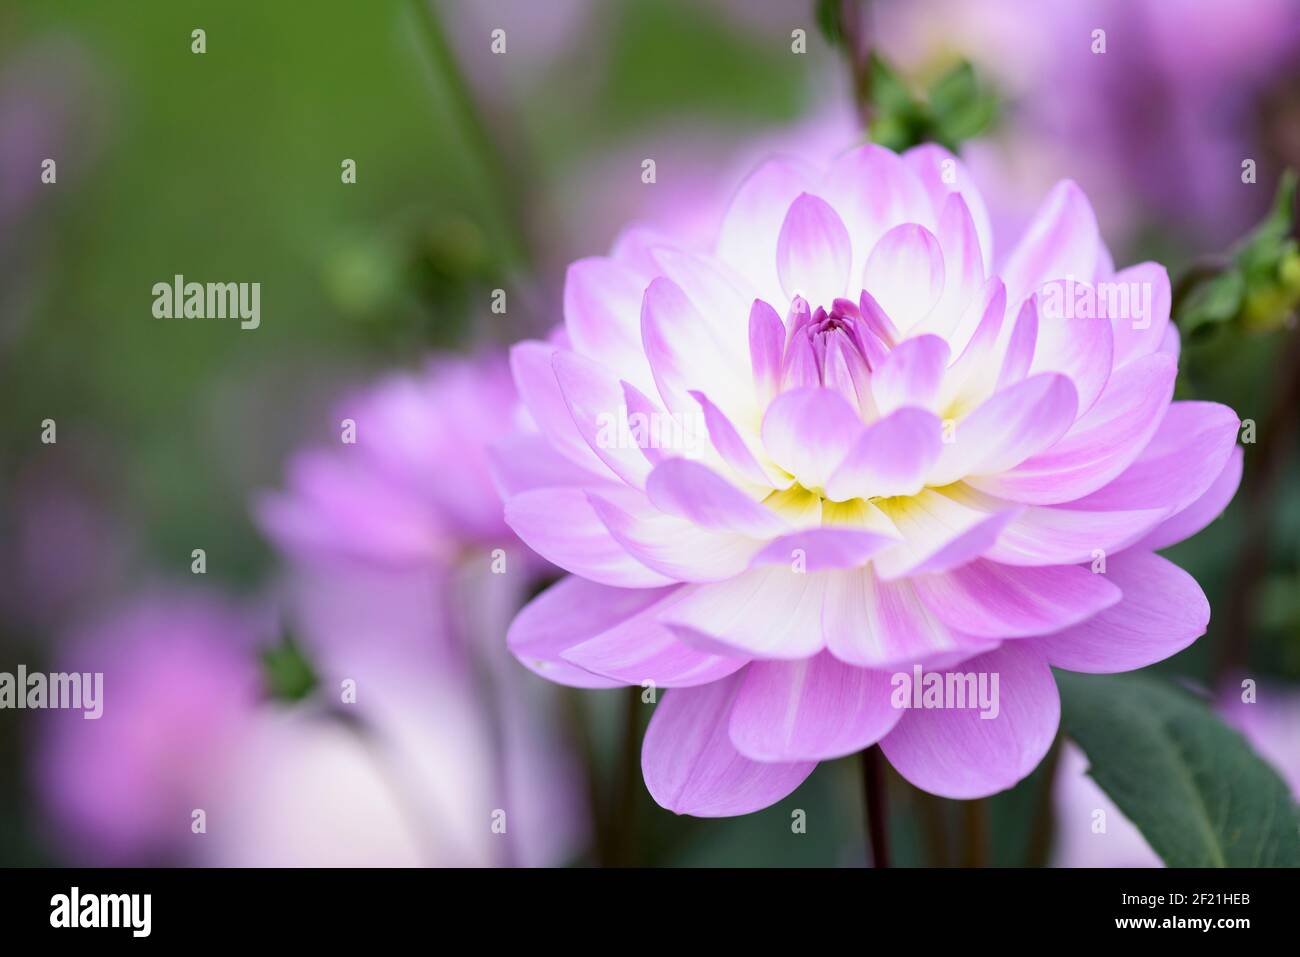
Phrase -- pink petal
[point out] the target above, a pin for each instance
(1142, 331)
(602, 314)
(561, 526)
(641, 649)
(570, 611)
(874, 623)
(905, 274)
(989, 600)
(691, 767)
(540, 393)
(768, 612)
(522, 461)
(813, 252)
(685, 353)
(766, 344)
(938, 532)
(693, 491)
(747, 241)
(873, 190)
(717, 294)
(1200, 513)
(1162, 612)
(1057, 535)
(1079, 348)
(641, 409)
(1020, 348)
(733, 449)
(1015, 424)
(844, 370)
(892, 457)
(956, 753)
(1101, 444)
(597, 403)
(810, 710)
(963, 266)
(823, 548)
(808, 432)
(972, 374)
(1182, 460)
(911, 375)
(674, 547)
(932, 165)
(1062, 240)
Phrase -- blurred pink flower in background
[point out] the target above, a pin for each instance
(179, 690)
(905, 471)
(1271, 725)
(1155, 128)
(390, 588)
(402, 577)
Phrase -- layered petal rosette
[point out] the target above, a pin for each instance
(847, 478)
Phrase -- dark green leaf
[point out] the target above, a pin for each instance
(1194, 788)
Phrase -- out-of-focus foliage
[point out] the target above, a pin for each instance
(955, 108)
(1258, 283)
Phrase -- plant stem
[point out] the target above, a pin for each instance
(931, 811)
(858, 54)
(1040, 837)
(503, 182)
(875, 805)
(580, 737)
(623, 815)
(976, 821)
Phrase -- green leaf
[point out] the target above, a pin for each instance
(829, 13)
(286, 671)
(1217, 299)
(889, 91)
(1194, 788)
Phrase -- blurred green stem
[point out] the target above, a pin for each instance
(875, 805)
(623, 814)
(1044, 824)
(580, 736)
(975, 819)
(932, 813)
(1266, 468)
(503, 181)
(857, 51)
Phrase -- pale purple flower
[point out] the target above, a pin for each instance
(847, 443)
(382, 495)
(406, 777)
(401, 579)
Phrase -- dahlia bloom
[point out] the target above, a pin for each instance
(400, 577)
(848, 449)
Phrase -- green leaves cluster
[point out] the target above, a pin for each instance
(1257, 287)
(955, 108)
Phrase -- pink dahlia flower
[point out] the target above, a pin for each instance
(850, 479)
